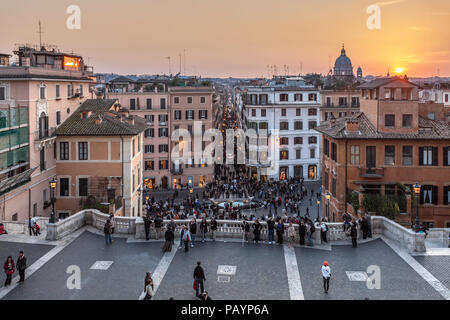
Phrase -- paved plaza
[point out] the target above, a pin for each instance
(234, 270)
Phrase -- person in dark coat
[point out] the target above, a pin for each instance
(21, 265)
(256, 231)
(213, 225)
(9, 268)
(280, 231)
(147, 224)
(302, 232)
(169, 236)
(354, 234)
(203, 228)
(199, 277)
(193, 231)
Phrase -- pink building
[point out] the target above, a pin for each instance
(36, 96)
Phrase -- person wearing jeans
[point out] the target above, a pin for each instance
(193, 231)
(271, 229)
(199, 277)
(107, 230)
(204, 229)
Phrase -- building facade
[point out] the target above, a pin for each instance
(37, 94)
(99, 159)
(339, 103)
(393, 142)
(293, 108)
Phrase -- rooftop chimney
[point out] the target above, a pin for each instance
(99, 120)
(332, 120)
(352, 125)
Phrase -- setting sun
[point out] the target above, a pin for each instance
(399, 70)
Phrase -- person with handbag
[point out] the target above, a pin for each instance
(9, 268)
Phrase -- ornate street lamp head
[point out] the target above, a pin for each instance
(53, 183)
(416, 188)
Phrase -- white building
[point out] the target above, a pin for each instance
(291, 108)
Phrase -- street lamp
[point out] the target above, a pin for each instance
(318, 204)
(416, 189)
(328, 196)
(52, 195)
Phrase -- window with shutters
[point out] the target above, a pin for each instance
(63, 151)
(446, 195)
(162, 103)
(333, 151)
(284, 155)
(389, 120)
(163, 148)
(298, 97)
(298, 112)
(298, 125)
(163, 132)
(298, 140)
(446, 156)
(176, 100)
(284, 141)
(263, 112)
(298, 154)
(407, 155)
(132, 104)
(202, 100)
(149, 133)
(189, 114)
(58, 91)
(333, 187)
(354, 155)
(312, 153)
(389, 155)
(189, 100)
(283, 112)
(326, 181)
(429, 194)
(312, 140)
(149, 148)
(58, 118)
(428, 156)
(64, 187)
(83, 187)
(203, 114)
(82, 150)
(312, 112)
(284, 125)
(149, 104)
(312, 125)
(253, 112)
(326, 147)
(407, 121)
(284, 97)
(177, 114)
(149, 165)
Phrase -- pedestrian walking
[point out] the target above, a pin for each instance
(21, 266)
(149, 292)
(199, 278)
(169, 236)
(326, 274)
(107, 231)
(9, 268)
(256, 231)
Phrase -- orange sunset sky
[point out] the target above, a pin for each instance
(238, 38)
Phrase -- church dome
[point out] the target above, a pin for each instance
(343, 65)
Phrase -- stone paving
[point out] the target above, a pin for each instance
(234, 271)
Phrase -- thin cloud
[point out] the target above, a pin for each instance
(389, 3)
(440, 13)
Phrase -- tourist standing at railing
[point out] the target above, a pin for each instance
(213, 228)
(186, 238)
(369, 225)
(323, 230)
(257, 231)
(193, 231)
(309, 232)
(280, 231)
(113, 222)
(271, 230)
(203, 228)
(291, 234)
(354, 234)
(147, 223)
(246, 229)
(158, 225)
(107, 232)
(347, 220)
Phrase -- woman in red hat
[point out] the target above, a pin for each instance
(326, 273)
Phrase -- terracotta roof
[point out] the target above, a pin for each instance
(112, 122)
(428, 129)
(383, 81)
(30, 76)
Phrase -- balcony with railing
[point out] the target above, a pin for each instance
(374, 173)
(176, 170)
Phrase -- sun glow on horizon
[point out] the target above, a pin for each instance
(399, 70)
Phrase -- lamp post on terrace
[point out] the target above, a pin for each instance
(52, 195)
(328, 196)
(416, 188)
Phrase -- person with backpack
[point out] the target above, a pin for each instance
(326, 274)
(9, 268)
(323, 230)
(271, 229)
(280, 231)
(186, 238)
(107, 232)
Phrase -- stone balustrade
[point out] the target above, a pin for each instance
(16, 227)
(413, 242)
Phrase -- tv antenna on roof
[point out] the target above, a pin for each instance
(170, 72)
